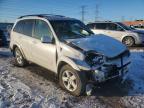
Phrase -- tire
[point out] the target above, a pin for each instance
(18, 57)
(72, 80)
(128, 41)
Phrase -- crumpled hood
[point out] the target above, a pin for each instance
(101, 44)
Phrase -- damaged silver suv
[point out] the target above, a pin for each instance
(68, 48)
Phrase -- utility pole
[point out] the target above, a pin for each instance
(83, 13)
(122, 18)
(97, 12)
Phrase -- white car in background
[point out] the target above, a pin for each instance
(119, 31)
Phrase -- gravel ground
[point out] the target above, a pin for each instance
(35, 87)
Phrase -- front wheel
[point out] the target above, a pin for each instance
(72, 80)
(19, 59)
(129, 41)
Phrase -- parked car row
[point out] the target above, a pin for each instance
(127, 35)
(70, 49)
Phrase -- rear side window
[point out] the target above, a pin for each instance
(111, 26)
(28, 27)
(101, 26)
(115, 27)
(19, 27)
(24, 27)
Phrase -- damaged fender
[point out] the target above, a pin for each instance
(75, 64)
(68, 61)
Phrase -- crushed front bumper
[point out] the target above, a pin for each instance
(107, 72)
(112, 67)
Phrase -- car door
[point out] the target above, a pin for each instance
(43, 54)
(115, 31)
(23, 36)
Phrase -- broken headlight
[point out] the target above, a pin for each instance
(94, 59)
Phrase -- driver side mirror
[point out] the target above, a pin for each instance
(46, 39)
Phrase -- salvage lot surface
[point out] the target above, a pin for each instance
(35, 87)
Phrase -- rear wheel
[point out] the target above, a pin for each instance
(19, 59)
(72, 80)
(129, 41)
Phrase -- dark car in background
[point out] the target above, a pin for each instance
(5, 33)
(1, 35)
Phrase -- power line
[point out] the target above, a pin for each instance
(83, 13)
(96, 12)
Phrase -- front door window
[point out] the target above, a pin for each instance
(41, 29)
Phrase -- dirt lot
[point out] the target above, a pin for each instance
(35, 87)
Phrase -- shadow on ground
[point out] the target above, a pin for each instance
(42, 72)
(113, 88)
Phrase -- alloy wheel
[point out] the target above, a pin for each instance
(19, 57)
(69, 80)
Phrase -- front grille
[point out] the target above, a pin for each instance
(114, 70)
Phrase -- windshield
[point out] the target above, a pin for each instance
(70, 29)
(125, 26)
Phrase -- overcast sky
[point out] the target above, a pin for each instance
(115, 10)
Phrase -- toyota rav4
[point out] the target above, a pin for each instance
(68, 48)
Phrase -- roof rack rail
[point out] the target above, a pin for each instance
(41, 15)
(102, 21)
(106, 21)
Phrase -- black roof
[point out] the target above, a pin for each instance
(49, 16)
